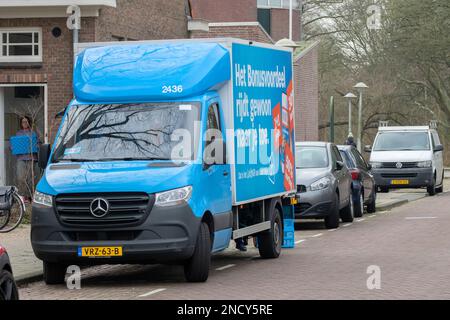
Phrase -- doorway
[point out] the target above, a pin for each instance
(17, 101)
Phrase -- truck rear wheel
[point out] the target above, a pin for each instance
(197, 268)
(269, 242)
(54, 273)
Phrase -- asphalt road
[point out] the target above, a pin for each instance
(405, 249)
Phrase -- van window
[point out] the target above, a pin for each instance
(116, 132)
(402, 141)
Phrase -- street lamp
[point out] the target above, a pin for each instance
(349, 96)
(360, 87)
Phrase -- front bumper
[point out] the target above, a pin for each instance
(314, 204)
(417, 177)
(167, 235)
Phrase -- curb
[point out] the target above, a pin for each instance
(29, 278)
(392, 204)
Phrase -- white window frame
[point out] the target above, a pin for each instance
(284, 4)
(18, 59)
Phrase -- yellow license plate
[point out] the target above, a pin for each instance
(105, 252)
(400, 182)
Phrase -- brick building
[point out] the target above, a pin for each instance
(266, 21)
(36, 54)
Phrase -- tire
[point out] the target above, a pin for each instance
(371, 206)
(54, 273)
(441, 188)
(270, 242)
(8, 287)
(358, 206)
(197, 268)
(347, 214)
(384, 189)
(17, 211)
(332, 220)
(432, 189)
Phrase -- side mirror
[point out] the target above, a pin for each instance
(61, 113)
(44, 155)
(439, 148)
(339, 165)
(368, 149)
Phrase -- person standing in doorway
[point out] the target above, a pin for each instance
(27, 169)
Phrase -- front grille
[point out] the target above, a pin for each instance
(399, 175)
(405, 165)
(103, 236)
(301, 189)
(125, 209)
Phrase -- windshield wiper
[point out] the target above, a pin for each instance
(74, 160)
(133, 159)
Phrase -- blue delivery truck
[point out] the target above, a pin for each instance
(168, 151)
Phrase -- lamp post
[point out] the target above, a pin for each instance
(361, 86)
(349, 96)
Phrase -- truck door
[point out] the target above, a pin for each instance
(218, 175)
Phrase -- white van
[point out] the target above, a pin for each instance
(407, 157)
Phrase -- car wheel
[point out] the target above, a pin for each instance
(54, 273)
(371, 206)
(332, 220)
(384, 189)
(270, 242)
(432, 189)
(197, 268)
(347, 214)
(8, 288)
(441, 188)
(358, 206)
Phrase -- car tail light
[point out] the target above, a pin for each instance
(355, 174)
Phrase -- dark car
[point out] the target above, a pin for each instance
(8, 287)
(323, 184)
(364, 187)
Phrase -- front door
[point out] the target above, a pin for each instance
(218, 175)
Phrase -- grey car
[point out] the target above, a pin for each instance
(323, 184)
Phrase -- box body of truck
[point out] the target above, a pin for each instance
(168, 151)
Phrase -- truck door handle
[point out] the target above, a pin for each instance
(225, 173)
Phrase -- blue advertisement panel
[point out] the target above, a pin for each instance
(263, 122)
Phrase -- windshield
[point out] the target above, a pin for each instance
(127, 132)
(311, 157)
(402, 141)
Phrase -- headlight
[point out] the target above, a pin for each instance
(424, 164)
(173, 197)
(43, 199)
(320, 184)
(376, 165)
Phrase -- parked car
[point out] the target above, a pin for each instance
(8, 287)
(407, 157)
(363, 183)
(323, 184)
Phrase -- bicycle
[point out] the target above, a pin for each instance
(12, 209)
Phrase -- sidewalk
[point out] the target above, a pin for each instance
(27, 267)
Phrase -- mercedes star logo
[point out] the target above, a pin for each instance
(399, 165)
(99, 207)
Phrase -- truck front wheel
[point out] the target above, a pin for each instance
(269, 242)
(197, 268)
(54, 273)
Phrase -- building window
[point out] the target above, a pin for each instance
(21, 45)
(283, 4)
